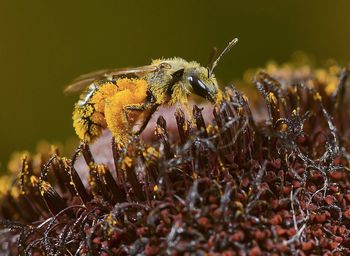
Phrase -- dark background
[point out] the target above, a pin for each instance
(44, 44)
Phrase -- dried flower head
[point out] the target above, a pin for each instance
(234, 186)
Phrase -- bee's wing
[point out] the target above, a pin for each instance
(81, 82)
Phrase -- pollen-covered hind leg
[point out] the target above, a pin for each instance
(150, 108)
(128, 115)
(125, 108)
(117, 122)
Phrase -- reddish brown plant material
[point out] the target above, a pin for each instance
(232, 187)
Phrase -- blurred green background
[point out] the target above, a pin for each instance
(45, 44)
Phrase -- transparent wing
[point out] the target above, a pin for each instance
(81, 82)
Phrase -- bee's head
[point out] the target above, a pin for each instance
(203, 84)
(191, 77)
(202, 80)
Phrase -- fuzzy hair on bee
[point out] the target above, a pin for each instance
(122, 99)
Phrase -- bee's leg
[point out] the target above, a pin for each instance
(130, 108)
(145, 122)
(140, 108)
(135, 107)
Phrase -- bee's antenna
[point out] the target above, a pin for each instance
(213, 54)
(213, 64)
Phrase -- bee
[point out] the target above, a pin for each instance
(124, 99)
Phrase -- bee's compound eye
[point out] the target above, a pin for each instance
(199, 87)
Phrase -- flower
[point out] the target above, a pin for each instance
(232, 186)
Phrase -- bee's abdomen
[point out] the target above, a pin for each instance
(104, 108)
(88, 123)
(88, 118)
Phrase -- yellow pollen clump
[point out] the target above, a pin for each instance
(272, 98)
(34, 180)
(127, 162)
(99, 99)
(120, 120)
(155, 188)
(151, 151)
(329, 78)
(219, 96)
(317, 97)
(44, 187)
